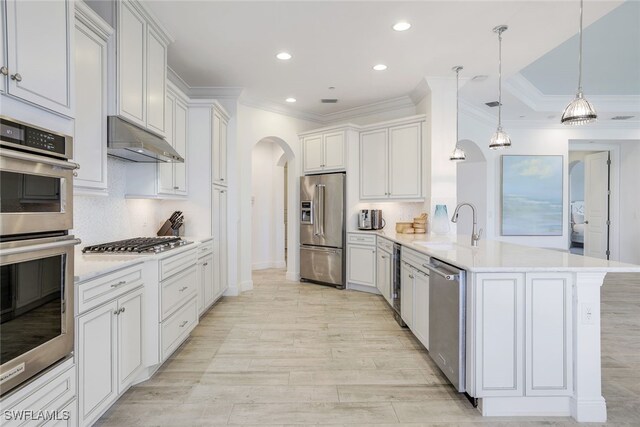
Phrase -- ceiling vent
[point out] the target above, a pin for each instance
(492, 104)
(329, 100)
(622, 117)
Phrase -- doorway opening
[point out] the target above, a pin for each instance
(269, 199)
(590, 192)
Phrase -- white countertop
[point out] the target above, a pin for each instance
(87, 267)
(491, 255)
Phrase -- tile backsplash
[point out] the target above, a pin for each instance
(98, 219)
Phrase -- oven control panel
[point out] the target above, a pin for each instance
(22, 136)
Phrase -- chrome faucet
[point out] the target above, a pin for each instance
(475, 234)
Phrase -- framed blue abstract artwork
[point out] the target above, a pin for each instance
(532, 195)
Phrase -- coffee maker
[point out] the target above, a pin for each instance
(370, 219)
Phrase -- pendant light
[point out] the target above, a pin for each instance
(500, 139)
(579, 111)
(458, 153)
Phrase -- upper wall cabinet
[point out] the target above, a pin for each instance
(38, 63)
(219, 146)
(89, 144)
(391, 161)
(324, 152)
(138, 79)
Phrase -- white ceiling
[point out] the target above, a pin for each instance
(233, 44)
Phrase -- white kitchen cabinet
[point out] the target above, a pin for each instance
(499, 303)
(220, 124)
(219, 231)
(324, 152)
(361, 265)
(205, 271)
(92, 34)
(165, 170)
(548, 334)
(131, 79)
(156, 72)
(384, 268)
(391, 161)
(39, 57)
(421, 307)
(109, 339)
(406, 293)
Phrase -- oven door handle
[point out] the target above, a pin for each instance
(39, 159)
(40, 247)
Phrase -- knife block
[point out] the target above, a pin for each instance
(166, 229)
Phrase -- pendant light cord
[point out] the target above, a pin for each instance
(500, 78)
(457, 102)
(580, 53)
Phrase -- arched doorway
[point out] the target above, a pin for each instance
(270, 204)
(471, 186)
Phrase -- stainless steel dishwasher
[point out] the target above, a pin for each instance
(447, 320)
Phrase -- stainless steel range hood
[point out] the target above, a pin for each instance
(130, 142)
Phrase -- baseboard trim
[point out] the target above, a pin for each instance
(247, 285)
(363, 288)
(232, 291)
(589, 410)
(268, 264)
(293, 276)
(538, 406)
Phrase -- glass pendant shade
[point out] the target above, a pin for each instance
(500, 139)
(458, 154)
(579, 111)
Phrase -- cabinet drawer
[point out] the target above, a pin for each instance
(384, 244)
(177, 289)
(205, 248)
(177, 328)
(362, 239)
(172, 265)
(415, 259)
(95, 292)
(50, 392)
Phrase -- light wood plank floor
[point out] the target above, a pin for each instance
(290, 353)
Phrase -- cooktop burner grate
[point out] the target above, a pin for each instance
(137, 245)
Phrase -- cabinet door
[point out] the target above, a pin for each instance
(219, 231)
(334, 149)
(131, 64)
(40, 62)
(97, 351)
(156, 81)
(201, 287)
(405, 162)
(549, 337)
(383, 276)
(406, 294)
(180, 144)
(421, 308)
(130, 324)
(3, 53)
(373, 165)
(89, 141)
(219, 149)
(499, 304)
(313, 152)
(206, 276)
(165, 170)
(362, 265)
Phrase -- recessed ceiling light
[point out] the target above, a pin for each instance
(283, 56)
(290, 100)
(402, 26)
(379, 67)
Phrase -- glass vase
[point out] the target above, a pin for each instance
(440, 223)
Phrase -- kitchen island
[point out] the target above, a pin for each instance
(532, 325)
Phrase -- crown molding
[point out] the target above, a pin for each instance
(365, 110)
(279, 109)
(91, 19)
(203, 92)
(166, 37)
(524, 90)
(477, 113)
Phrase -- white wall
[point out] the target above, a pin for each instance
(99, 219)
(267, 210)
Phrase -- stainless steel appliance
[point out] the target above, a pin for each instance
(127, 141)
(396, 275)
(370, 219)
(447, 290)
(36, 180)
(322, 231)
(137, 245)
(36, 252)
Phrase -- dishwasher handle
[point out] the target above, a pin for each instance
(445, 274)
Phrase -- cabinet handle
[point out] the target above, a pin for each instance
(120, 283)
(4, 70)
(17, 77)
(383, 257)
(205, 264)
(116, 312)
(411, 276)
(221, 179)
(222, 191)
(121, 310)
(176, 188)
(184, 289)
(182, 325)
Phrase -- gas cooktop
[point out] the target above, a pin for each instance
(140, 245)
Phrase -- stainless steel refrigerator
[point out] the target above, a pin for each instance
(322, 230)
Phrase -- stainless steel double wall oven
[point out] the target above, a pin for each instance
(36, 250)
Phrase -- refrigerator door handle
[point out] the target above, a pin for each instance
(321, 189)
(316, 228)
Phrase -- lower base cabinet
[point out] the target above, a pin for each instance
(406, 294)
(383, 274)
